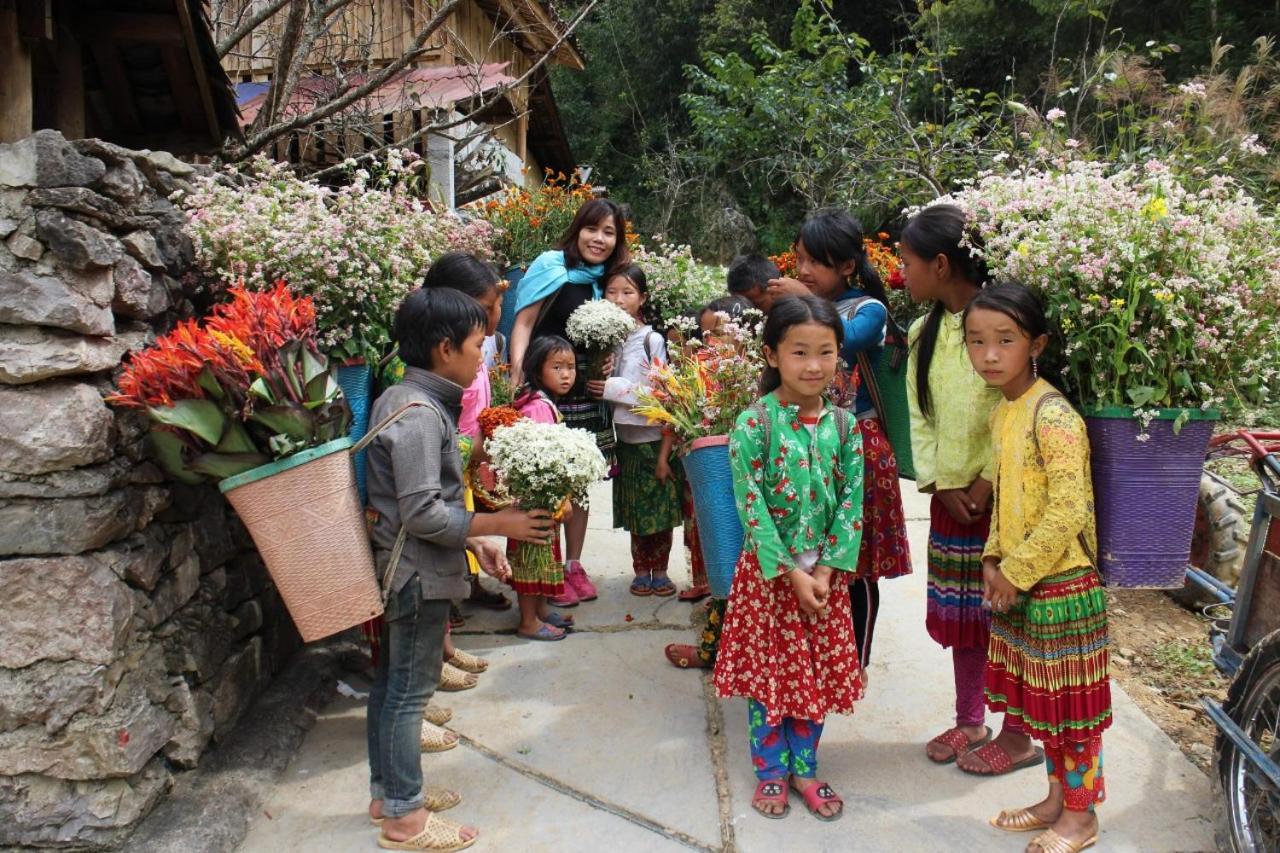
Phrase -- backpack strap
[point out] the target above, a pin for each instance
(844, 422)
(648, 350)
(865, 372)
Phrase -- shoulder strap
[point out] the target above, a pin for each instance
(758, 408)
(500, 347)
(865, 373)
(843, 422)
(648, 349)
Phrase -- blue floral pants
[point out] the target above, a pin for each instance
(787, 749)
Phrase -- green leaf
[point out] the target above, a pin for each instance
(260, 389)
(236, 440)
(1181, 421)
(1142, 395)
(288, 419)
(167, 449)
(223, 465)
(313, 365)
(201, 417)
(209, 383)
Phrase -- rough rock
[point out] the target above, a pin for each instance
(62, 608)
(38, 811)
(75, 525)
(58, 164)
(123, 182)
(138, 560)
(163, 161)
(194, 710)
(8, 225)
(81, 200)
(49, 694)
(176, 250)
(142, 245)
(24, 246)
(75, 483)
(248, 618)
(53, 426)
(117, 743)
(79, 245)
(174, 590)
(197, 640)
(242, 676)
(30, 354)
(139, 294)
(27, 296)
(18, 163)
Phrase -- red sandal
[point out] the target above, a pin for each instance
(999, 762)
(685, 656)
(771, 791)
(818, 795)
(959, 743)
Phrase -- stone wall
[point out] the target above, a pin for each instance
(136, 621)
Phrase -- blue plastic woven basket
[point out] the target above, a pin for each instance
(719, 529)
(508, 318)
(356, 381)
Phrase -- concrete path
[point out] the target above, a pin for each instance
(597, 743)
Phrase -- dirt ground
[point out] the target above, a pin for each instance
(1160, 653)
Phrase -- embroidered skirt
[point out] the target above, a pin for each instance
(531, 580)
(954, 616)
(794, 664)
(642, 504)
(1048, 663)
(884, 552)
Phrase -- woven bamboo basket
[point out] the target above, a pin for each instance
(304, 515)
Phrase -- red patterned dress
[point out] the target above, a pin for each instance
(799, 496)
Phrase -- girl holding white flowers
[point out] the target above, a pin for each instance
(646, 491)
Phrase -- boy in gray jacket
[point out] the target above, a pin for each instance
(415, 481)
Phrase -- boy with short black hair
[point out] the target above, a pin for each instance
(415, 483)
(749, 277)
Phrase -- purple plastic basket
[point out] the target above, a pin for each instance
(1146, 493)
(706, 467)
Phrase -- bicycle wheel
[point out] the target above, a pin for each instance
(1253, 702)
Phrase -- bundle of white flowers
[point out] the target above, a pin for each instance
(599, 326)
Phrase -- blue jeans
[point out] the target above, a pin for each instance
(408, 672)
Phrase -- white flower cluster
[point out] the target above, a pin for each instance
(542, 464)
(599, 325)
(678, 282)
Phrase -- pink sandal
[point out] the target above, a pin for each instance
(772, 791)
(818, 795)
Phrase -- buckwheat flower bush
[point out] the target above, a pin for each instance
(678, 282)
(1164, 297)
(356, 250)
(597, 327)
(544, 466)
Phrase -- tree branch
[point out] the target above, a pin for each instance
(249, 25)
(264, 137)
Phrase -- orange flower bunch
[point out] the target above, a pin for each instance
(785, 262)
(885, 260)
(530, 221)
(496, 416)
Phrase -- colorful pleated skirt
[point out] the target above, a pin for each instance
(642, 504)
(954, 616)
(884, 552)
(537, 580)
(1047, 663)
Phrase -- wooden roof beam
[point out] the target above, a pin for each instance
(198, 69)
(129, 27)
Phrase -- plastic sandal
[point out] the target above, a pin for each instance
(685, 656)
(695, 593)
(642, 586)
(436, 715)
(452, 679)
(818, 795)
(547, 633)
(436, 739)
(957, 740)
(564, 623)
(999, 762)
(771, 791)
(439, 836)
(1017, 820)
(468, 662)
(1051, 842)
(434, 800)
(662, 587)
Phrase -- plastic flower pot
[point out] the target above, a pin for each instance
(356, 380)
(706, 466)
(1146, 492)
(306, 520)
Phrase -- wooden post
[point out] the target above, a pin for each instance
(15, 78)
(70, 102)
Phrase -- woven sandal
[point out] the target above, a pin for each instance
(468, 662)
(439, 836)
(818, 795)
(453, 680)
(999, 762)
(957, 740)
(1018, 820)
(771, 791)
(433, 800)
(1051, 842)
(436, 739)
(436, 715)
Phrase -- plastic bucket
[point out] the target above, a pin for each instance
(706, 467)
(356, 381)
(306, 521)
(1146, 493)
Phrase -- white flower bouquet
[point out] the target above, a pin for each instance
(544, 466)
(598, 327)
(678, 282)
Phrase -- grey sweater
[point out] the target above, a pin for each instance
(415, 478)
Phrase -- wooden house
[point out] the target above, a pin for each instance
(483, 47)
(140, 73)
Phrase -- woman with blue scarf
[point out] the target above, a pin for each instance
(556, 284)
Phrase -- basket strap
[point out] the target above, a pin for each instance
(402, 537)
